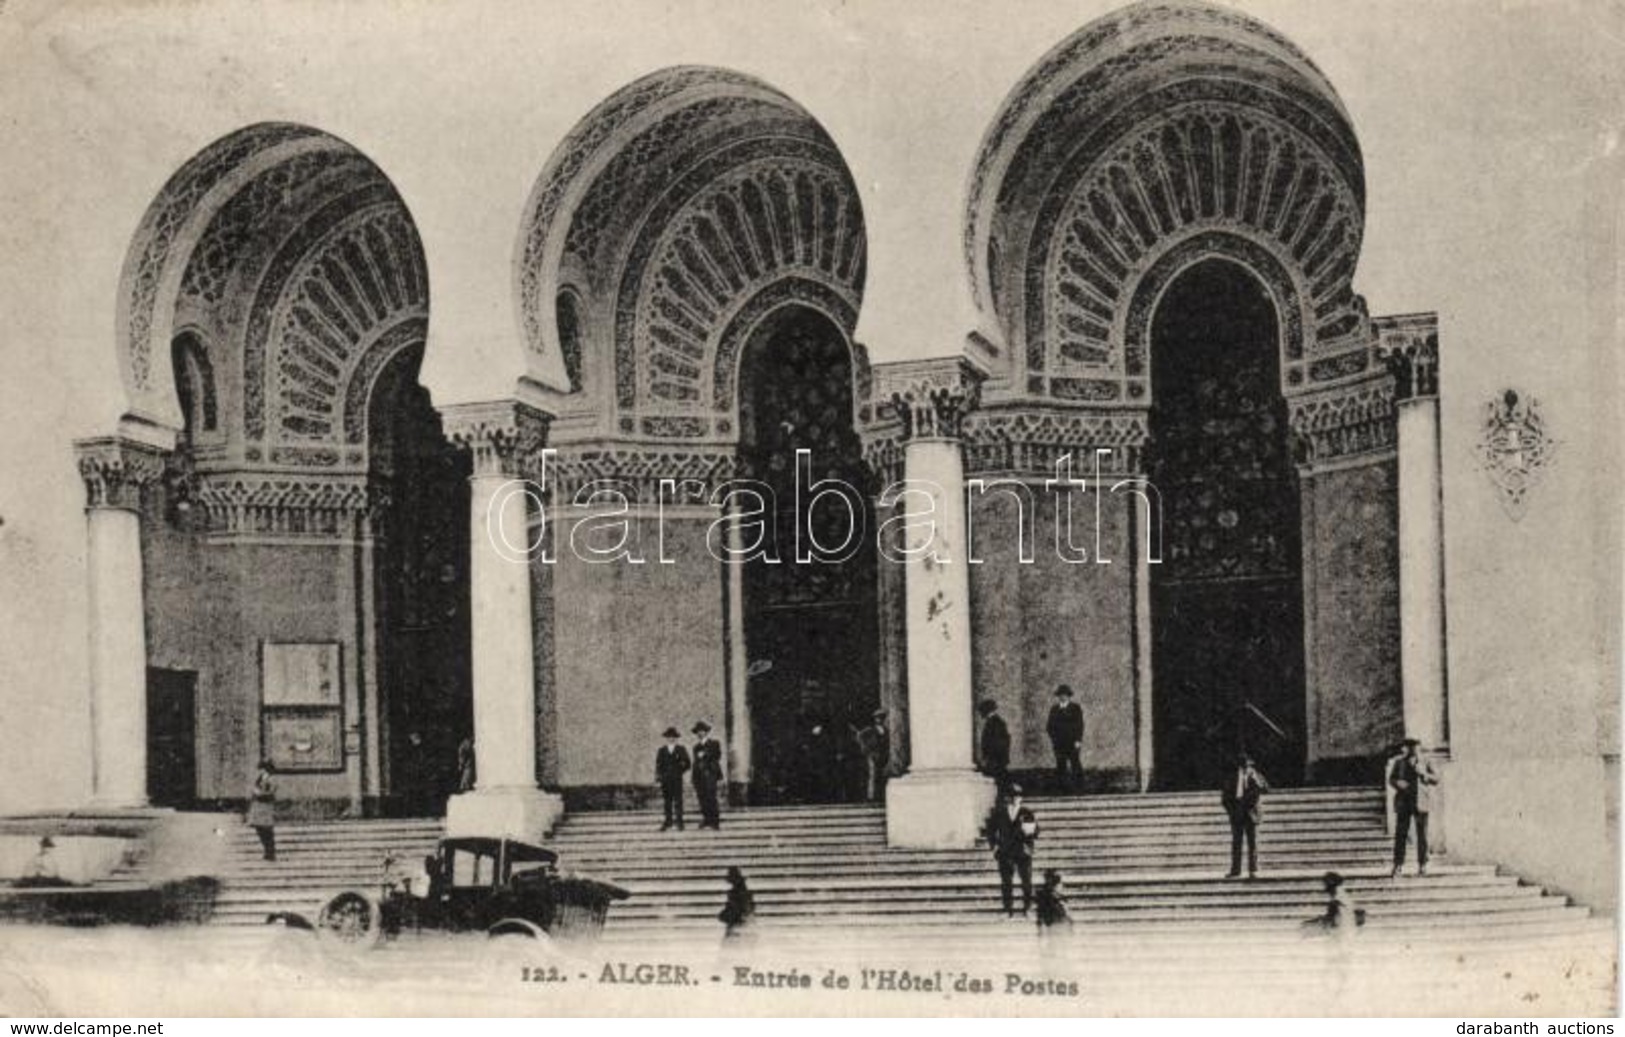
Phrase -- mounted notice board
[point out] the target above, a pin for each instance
(301, 695)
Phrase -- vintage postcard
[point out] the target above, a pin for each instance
(810, 508)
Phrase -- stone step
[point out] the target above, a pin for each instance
(1139, 867)
(702, 848)
(1206, 809)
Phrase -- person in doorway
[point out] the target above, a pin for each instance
(875, 742)
(1242, 789)
(995, 743)
(819, 767)
(671, 763)
(465, 765)
(707, 775)
(1011, 832)
(1065, 728)
(262, 809)
(1412, 779)
(738, 914)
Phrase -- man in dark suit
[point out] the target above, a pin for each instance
(707, 775)
(1243, 787)
(1412, 779)
(1065, 729)
(671, 763)
(1011, 830)
(995, 743)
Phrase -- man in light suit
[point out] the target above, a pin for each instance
(1243, 787)
(1412, 779)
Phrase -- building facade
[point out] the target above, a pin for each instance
(1154, 447)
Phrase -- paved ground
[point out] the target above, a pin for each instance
(991, 970)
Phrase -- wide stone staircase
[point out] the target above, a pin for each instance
(1133, 863)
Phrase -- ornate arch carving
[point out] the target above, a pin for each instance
(162, 247)
(1166, 127)
(706, 195)
(299, 256)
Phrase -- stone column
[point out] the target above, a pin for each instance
(1421, 543)
(1421, 565)
(942, 800)
(505, 439)
(115, 470)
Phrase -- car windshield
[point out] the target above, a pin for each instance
(471, 868)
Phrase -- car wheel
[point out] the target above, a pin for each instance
(350, 919)
(517, 927)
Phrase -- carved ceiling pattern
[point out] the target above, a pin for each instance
(573, 157)
(327, 309)
(364, 278)
(1148, 127)
(675, 214)
(1207, 169)
(241, 225)
(169, 213)
(749, 231)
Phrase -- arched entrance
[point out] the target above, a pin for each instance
(304, 573)
(810, 625)
(1227, 601)
(423, 592)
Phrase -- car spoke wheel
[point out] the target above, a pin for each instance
(351, 919)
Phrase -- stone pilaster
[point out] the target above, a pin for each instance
(115, 471)
(1413, 362)
(505, 439)
(942, 800)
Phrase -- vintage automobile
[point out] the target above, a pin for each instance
(502, 887)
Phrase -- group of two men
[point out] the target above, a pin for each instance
(1065, 730)
(672, 761)
(1411, 777)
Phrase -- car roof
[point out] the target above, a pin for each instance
(491, 844)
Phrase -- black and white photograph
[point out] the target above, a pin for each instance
(811, 508)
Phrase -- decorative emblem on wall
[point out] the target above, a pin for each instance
(1514, 449)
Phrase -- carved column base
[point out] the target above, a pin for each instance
(937, 810)
(526, 814)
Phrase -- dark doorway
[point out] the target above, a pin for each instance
(421, 564)
(811, 628)
(1227, 600)
(171, 737)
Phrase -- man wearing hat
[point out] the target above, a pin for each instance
(875, 741)
(1010, 831)
(1065, 729)
(995, 742)
(1240, 793)
(671, 763)
(707, 775)
(1412, 779)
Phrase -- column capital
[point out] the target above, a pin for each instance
(929, 398)
(1409, 347)
(504, 436)
(115, 469)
